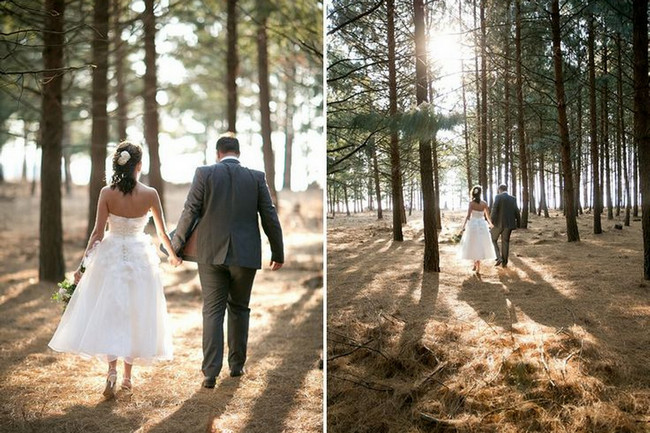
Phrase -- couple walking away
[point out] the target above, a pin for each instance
(482, 228)
(118, 309)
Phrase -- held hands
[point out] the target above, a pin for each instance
(174, 260)
(275, 265)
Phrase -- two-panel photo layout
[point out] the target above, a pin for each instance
(372, 216)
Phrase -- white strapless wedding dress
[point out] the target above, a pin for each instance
(476, 242)
(118, 309)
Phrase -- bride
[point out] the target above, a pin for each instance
(118, 309)
(476, 242)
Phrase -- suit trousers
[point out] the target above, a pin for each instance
(225, 287)
(505, 242)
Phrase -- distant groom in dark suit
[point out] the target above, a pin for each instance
(506, 218)
(226, 199)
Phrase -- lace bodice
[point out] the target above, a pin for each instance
(122, 226)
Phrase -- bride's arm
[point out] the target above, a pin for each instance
(486, 211)
(98, 231)
(161, 229)
(469, 214)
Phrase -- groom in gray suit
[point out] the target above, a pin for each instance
(505, 218)
(223, 205)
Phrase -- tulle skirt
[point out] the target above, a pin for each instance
(476, 242)
(118, 309)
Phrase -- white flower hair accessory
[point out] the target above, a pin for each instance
(475, 190)
(124, 157)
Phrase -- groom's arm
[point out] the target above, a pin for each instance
(191, 210)
(270, 220)
(495, 208)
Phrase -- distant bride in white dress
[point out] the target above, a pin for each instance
(118, 309)
(476, 242)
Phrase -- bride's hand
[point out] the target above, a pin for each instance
(77, 275)
(174, 260)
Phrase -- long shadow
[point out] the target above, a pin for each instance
(420, 313)
(542, 303)
(273, 407)
(538, 299)
(196, 413)
(270, 409)
(489, 301)
(76, 419)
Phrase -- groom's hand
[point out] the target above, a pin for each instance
(275, 265)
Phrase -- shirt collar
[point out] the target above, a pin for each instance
(229, 157)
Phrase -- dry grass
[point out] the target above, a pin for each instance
(557, 342)
(42, 391)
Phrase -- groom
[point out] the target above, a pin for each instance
(225, 199)
(506, 218)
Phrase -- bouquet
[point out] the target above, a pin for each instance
(455, 238)
(64, 292)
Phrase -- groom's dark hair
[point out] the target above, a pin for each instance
(503, 187)
(227, 144)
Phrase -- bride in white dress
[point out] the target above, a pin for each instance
(118, 309)
(476, 242)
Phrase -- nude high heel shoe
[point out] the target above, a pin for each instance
(111, 380)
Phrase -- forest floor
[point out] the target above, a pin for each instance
(557, 342)
(44, 391)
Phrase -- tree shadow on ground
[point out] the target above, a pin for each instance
(75, 419)
(272, 407)
(489, 301)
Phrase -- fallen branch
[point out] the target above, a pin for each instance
(453, 424)
(341, 355)
(362, 346)
(545, 364)
(364, 383)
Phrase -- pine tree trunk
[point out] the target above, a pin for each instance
(380, 213)
(520, 119)
(468, 164)
(99, 133)
(482, 169)
(150, 104)
(477, 86)
(288, 127)
(67, 151)
(431, 252)
(232, 64)
(578, 151)
(593, 131)
(345, 197)
(120, 82)
(51, 263)
(506, 85)
(565, 145)
(621, 128)
(605, 138)
(23, 176)
(635, 172)
(395, 165)
(265, 111)
(642, 117)
(543, 206)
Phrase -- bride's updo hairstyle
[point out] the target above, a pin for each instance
(126, 157)
(476, 194)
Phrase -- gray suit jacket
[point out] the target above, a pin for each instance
(225, 199)
(505, 213)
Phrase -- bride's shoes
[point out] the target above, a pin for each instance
(126, 384)
(111, 380)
